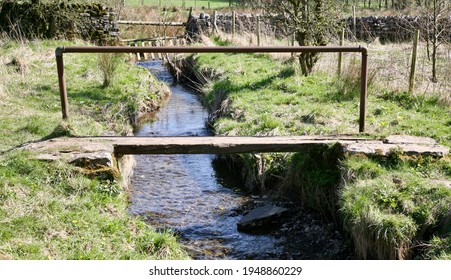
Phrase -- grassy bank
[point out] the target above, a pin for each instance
(400, 203)
(49, 210)
(393, 208)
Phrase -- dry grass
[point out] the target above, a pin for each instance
(50, 210)
(151, 14)
(391, 65)
(3, 92)
(108, 63)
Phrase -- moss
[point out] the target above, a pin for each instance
(52, 20)
(312, 177)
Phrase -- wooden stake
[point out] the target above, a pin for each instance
(233, 24)
(340, 55)
(258, 32)
(215, 26)
(145, 54)
(414, 61)
(158, 44)
(138, 56)
(354, 23)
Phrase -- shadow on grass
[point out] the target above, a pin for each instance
(61, 130)
(227, 86)
(93, 95)
(96, 94)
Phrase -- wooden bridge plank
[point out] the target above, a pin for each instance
(227, 145)
(144, 54)
(215, 144)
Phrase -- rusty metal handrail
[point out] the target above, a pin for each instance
(171, 49)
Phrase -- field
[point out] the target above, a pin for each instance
(393, 208)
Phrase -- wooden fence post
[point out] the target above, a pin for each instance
(215, 27)
(233, 24)
(354, 23)
(414, 61)
(144, 54)
(340, 54)
(258, 32)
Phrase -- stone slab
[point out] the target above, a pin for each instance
(406, 139)
(383, 149)
(85, 154)
(260, 216)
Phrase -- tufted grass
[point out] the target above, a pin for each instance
(260, 95)
(397, 209)
(49, 210)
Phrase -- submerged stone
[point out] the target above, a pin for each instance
(261, 217)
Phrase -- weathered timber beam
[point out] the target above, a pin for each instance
(215, 145)
(414, 146)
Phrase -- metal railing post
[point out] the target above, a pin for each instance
(62, 82)
(363, 89)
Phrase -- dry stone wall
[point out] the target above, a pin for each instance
(394, 28)
(245, 23)
(386, 28)
(35, 19)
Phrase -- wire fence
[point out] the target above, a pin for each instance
(390, 50)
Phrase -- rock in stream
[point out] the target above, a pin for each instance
(261, 216)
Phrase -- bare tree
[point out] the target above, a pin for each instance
(311, 21)
(436, 26)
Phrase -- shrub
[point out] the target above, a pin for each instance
(108, 63)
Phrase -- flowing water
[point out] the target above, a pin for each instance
(184, 193)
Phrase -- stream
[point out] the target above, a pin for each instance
(190, 196)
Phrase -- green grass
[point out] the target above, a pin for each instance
(268, 97)
(50, 210)
(390, 207)
(259, 95)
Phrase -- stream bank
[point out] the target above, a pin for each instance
(196, 197)
(257, 95)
